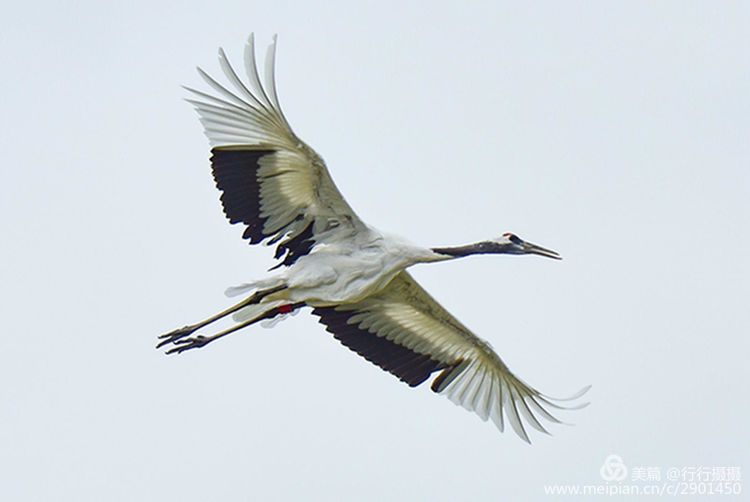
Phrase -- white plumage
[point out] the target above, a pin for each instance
(353, 276)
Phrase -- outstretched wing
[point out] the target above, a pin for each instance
(270, 180)
(406, 332)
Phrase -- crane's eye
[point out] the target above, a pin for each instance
(513, 238)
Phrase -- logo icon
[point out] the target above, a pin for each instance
(613, 469)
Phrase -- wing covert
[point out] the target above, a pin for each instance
(270, 180)
(406, 332)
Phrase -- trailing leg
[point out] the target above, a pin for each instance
(185, 331)
(198, 341)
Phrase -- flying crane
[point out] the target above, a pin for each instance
(352, 276)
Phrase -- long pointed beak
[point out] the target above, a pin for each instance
(534, 249)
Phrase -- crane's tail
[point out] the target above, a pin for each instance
(246, 287)
(261, 308)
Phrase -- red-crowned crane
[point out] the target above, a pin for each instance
(352, 276)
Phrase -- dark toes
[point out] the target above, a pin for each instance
(188, 343)
(173, 336)
(196, 340)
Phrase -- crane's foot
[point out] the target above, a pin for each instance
(179, 334)
(174, 336)
(194, 342)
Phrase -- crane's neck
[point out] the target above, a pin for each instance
(412, 254)
(484, 247)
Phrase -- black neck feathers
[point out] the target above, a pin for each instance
(470, 249)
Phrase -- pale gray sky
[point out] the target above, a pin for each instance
(615, 133)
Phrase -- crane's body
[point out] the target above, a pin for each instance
(352, 275)
(339, 273)
(347, 271)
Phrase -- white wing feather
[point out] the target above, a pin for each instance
(271, 180)
(473, 377)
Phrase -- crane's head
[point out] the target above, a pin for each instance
(510, 243)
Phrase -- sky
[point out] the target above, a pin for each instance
(615, 133)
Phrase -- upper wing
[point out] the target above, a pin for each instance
(405, 331)
(271, 181)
